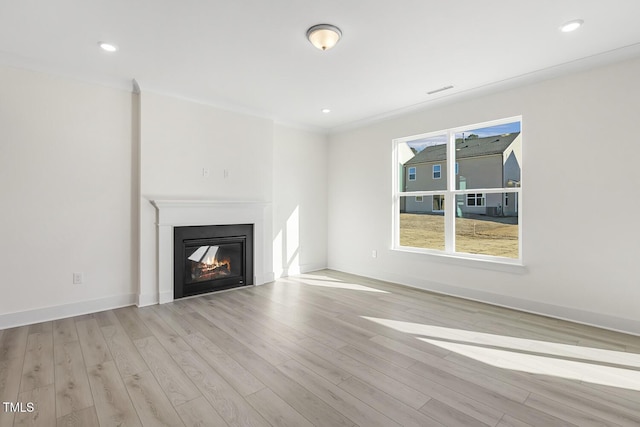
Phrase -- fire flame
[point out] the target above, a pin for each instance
(213, 263)
(208, 263)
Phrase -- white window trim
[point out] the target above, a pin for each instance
(474, 260)
(433, 171)
(415, 174)
(483, 197)
(421, 199)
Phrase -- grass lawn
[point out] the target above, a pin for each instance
(476, 235)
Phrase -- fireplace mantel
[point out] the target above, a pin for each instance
(178, 213)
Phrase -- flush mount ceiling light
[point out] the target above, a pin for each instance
(567, 27)
(324, 36)
(108, 47)
(326, 110)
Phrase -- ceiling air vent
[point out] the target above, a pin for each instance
(442, 89)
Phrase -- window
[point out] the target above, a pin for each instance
(436, 171)
(412, 174)
(475, 199)
(475, 210)
(438, 203)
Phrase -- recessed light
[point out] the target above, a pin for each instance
(108, 47)
(326, 110)
(567, 27)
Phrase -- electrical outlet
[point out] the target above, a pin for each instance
(205, 172)
(77, 278)
(374, 254)
(225, 173)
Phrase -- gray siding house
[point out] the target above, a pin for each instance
(490, 162)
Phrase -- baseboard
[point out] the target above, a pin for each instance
(261, 279)
(147, 299)
(294, 270)
(599, 320)
(165, 297)
(308, 268)
(46, 314)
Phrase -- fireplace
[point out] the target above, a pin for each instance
(172, 214)
(212, 258)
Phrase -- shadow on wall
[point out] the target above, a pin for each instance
(286, 247)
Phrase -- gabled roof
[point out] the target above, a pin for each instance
(473, 147)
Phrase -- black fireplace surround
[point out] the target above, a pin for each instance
(212, 258)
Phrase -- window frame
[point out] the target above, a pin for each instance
(439, 197)
(419, 201)
(439, 172)
(450, 198)
(414, 173)
(477, 196)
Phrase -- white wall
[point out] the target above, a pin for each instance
(65, 186)
(580, 235)
(300, 201)
(68, 172)
(80, 162)
(178, 139)
(181, 137)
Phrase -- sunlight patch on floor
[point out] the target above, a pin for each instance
(319, 277)
(521, 344)
(543, 365)
(339, 285)
(528, 355)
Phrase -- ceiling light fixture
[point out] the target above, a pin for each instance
(108, 47)
(324, 36)
(567, 27)
(326, 110)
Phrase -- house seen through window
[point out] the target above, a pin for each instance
(468, 183)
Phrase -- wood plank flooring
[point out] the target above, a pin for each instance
(323, 349)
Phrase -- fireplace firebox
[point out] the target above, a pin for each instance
(212, 258)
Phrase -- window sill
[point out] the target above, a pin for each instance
(472, 261)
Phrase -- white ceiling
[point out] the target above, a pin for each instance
(252, 55)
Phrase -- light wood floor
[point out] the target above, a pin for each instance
(324, 349)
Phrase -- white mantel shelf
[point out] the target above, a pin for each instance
(168, 203)
(182, 213)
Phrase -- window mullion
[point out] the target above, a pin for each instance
(450, 199)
